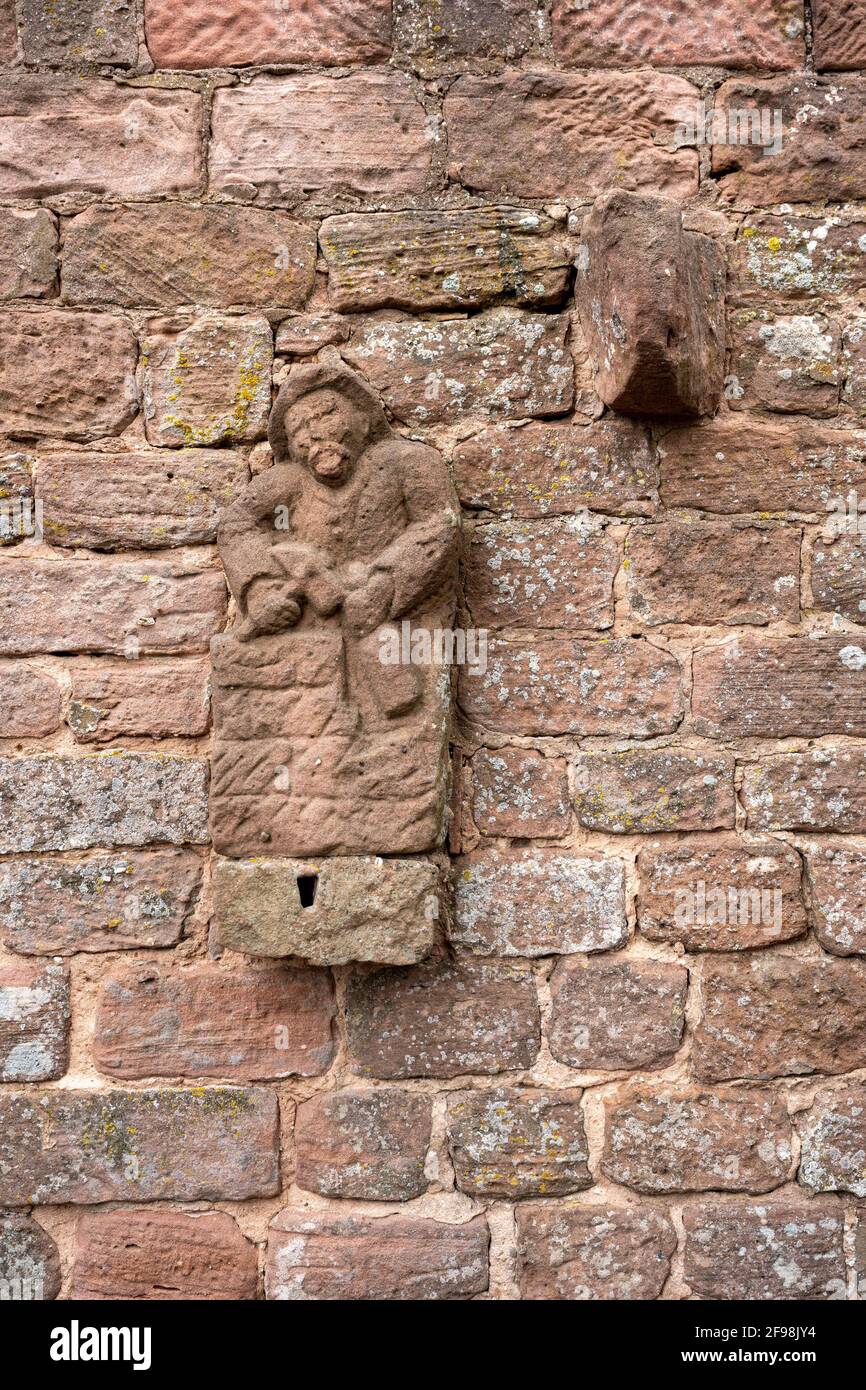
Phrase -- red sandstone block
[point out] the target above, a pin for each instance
(839, 33)
(520, 793)
(765, 1250)
(541, 574)
(29, 700)
(163, 700)
(780, 688)
(34, 1021)
(233, 33)
(518, 1143)
(640, 791)
(28, 253)
(29, 1258)
(368, 1144)
(614, 1014)
(67, 33)
(593, 1252)
(821, 789)
(727, 33)
(160, 1254)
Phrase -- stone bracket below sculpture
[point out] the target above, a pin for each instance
(330, 911)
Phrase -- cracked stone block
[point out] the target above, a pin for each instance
(651, 303)
(329, 911)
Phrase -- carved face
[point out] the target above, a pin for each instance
(327, 433)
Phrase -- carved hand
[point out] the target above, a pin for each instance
(270, 608)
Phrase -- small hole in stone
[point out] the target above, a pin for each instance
(307, 885)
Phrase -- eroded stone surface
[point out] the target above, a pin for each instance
(651, 302)
(57, 802)
(105, 903)
(721, 894)
(587, 1252)
(558, 469)
(28, 253)
(520, 793)
(67, 32)
(538, 135)
(207, 381)
(615, 1014)
(443, 260)
(839, 33)
(34, 1021)
(558, 685)
(364, 134)
(508, 363)
(317, 1256)
(331, 719)
(367, 1144)
(247, 1025)
(820, 789)
(329, 911)
(765, 1250)
(698, 1141)
(784, 688)
(637, 792)
(159, 1255)
(132, 609)
(839, 576)
(204, 1143)
(232, 33)
(37, 399)
(518, 1143)
(537, 903)
(795, 258)
(774, 1015)
(442, 1019)
(784, 362)
(156, 701)
(541, 574)
(63, 134)
(29, 1258)
(30, 701)
(456, 33)
(621, 32)
(833, 1142)
(836, 874)
(166, 254)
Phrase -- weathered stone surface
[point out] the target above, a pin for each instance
(783, 362)
(712, 572)
(444, 260)
(506, 362)
(538, 903)
(698, 1141)
(442, 1019)
(302, 335)
(320, 1257)
(128, 608)
(159, 1255)
(617, 1014)
(67, 33)
(156, 701)
(8, 36)
(367, 1144)
(345, 908)
(820, 789)
(557, 685)
(247, 1025)
(833, 1141)
(538, 135)
(518, 1143)
(720, 894)
(553, 470)
(166, 254)
(641, 791)
(776, 1015)
(39, 398)
(765, 1250)
(839, 576)
(105, 903)
(447, 36)
(795, 258)
(780, 688)
(334, 738)
(30, 701)
(206, 1143)
(839, 33)
(18, 516)
(364, 134)
(34, 1021)
(145, 499)
(207, 381)
(28, 253)
(232, 33)
(56, 802)
(586, 1253)
(836, 873)
(29, 1260)
(64, 135)
(819, 133)
(804, 467)
(541, 574)
(621, 32)
(853, 396)
(651, 303)
(520, 793)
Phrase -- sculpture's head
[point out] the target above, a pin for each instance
(324, 418)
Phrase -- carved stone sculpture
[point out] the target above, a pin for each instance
(322, 747)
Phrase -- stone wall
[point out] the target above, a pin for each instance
(616, 1077)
